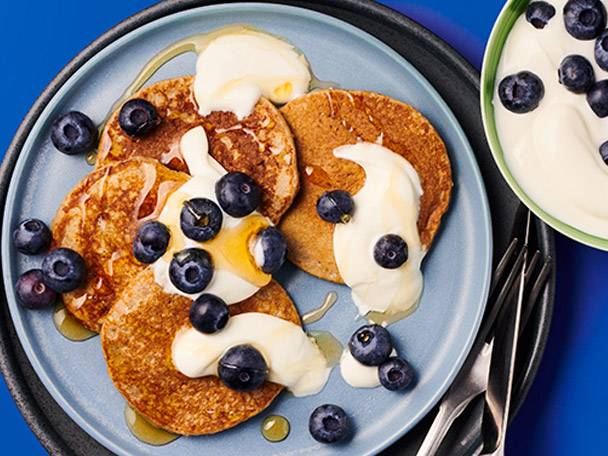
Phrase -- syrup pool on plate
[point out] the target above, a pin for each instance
(146, 432)
(69, 327)
(275, 428)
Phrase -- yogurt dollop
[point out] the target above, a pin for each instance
(553, 151)
(236, 274)
(359, 375)
(356, 374)
(294, 360)
(388, 203)
(234, 70)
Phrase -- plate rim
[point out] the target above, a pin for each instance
(65, 73)
(493, 52)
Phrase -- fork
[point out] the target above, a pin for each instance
(472, 380)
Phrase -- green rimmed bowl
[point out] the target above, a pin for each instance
(512, 10)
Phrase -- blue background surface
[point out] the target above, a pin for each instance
(565, 411)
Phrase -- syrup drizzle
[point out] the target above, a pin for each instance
(385, 319)
(69, 327)
(317, 314)
(145, 431)
(275, 428)
(329, 346)
(195, 43)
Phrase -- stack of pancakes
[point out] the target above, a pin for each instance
(288, 152)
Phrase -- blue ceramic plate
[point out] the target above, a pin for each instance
(436, 338)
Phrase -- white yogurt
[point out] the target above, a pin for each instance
(228, 282)
(234, 70)
(359, 375)
(294, 360)
(356, 374)
(388, 203)
(553, 151)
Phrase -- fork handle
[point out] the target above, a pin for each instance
(441, 424)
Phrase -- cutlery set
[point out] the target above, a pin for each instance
(489, 369)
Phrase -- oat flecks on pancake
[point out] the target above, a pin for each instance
(99, 219)
(137, 336)
(260, 145)
(324, 120)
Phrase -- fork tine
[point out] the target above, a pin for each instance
(527, 278)
(493, 311)
(537, 288)
(502, 265)
(532, 265)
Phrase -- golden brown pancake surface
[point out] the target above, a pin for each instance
(324, 120)
(137, 337)
(260, 145)
(99, 219)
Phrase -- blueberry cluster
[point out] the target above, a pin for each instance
(242, 367)
(584, 20)
(372, 345)
(63, 270)
(75, 132)
(337, 206)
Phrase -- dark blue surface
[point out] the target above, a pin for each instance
(564, 414)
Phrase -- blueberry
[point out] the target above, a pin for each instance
(238, 194)
(242, 368)
(585, 19)
(270, 250)
(191, 270)
(601, 51)
(73, 133)
(576, 74)
(138, 117)
(597, 97)
(208, 313)
(604, 152)
(539, 14)
(329, 423)
(390, 252)
(151, 242)
(32, 236)
(63, 270)
(395, 374)
(335, 206)
(522, 92)
(371, 345)
(201, 219)
(32, 292)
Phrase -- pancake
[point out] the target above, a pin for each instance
(260, 145)
(137, 337)
(324, 120)
(99, 219)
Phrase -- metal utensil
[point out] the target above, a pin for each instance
(500, 380)
(473, 377)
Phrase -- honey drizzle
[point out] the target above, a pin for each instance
(385, 319)
(315, 315)
(229, 249)
(195, 43)
(318, 176)
(145, 431)
(329, 346)
(91, 158)
(69, 327)
(275, 428)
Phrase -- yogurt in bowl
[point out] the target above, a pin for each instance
(549, 149)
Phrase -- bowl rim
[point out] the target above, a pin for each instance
(493, 51)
